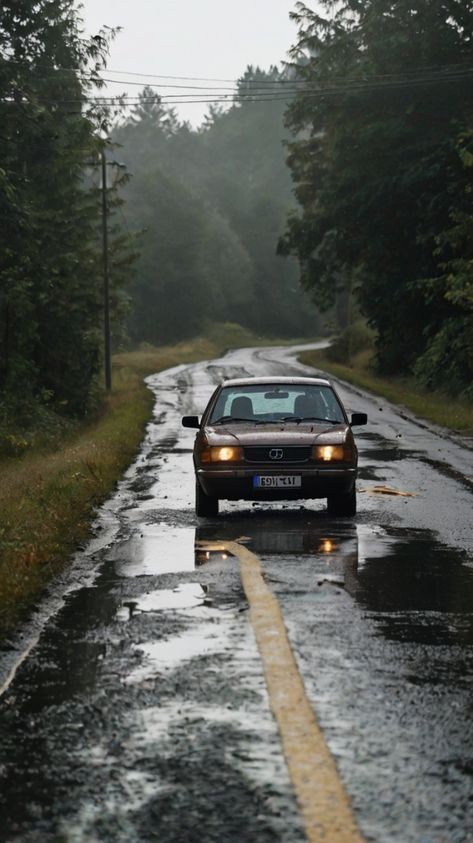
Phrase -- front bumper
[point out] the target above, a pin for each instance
(237, 483)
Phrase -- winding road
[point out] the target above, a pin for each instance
(273, 675)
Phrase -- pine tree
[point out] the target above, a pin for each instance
(50, 271)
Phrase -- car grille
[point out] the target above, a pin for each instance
(277, 454)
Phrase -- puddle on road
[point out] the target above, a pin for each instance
(163, 549)
(374, 446)
(157, 719)
(201, 640)
(418, 589)
(369, 472)
(156, 549)
(188, 595)
(381, 450)
(289, 533)
(390, 453)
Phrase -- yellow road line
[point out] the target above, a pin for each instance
(323, 801)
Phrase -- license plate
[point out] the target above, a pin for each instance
(277, 481)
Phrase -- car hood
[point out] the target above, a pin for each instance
(301, 434)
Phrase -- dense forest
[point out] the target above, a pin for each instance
(211, 204)
(374, 215)
(382, 159)
(202, 214)
(51, 138)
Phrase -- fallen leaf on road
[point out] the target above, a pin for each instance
(388, 490)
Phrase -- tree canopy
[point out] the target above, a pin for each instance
(381, 161)
(211, 204)
(50, 272)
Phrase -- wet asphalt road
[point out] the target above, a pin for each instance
(134, 706)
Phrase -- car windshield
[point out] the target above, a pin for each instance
(262, 403)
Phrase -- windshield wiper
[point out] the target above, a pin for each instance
(224, 419)
(299, 419)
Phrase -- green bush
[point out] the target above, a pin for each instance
(26, 423)
(355, 338)
(448, 361)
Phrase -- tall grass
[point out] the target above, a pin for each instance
(47, 498)
(435, 407)
(48, 495)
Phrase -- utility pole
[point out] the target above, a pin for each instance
(106, 278)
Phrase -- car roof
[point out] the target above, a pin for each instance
(273, 381)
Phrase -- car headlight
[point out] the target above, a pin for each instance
(332, 453)
(225, 453)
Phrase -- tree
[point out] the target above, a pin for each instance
(243, 175)
(50, 272)
(212, 202)
(384, 98)
(448, 358)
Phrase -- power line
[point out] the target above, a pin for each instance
(270, 87)
(250, 96)
(433, 70)
(216, 96)
(427, 68)
(185, 87)
(429, 72)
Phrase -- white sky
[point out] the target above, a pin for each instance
(202, 38)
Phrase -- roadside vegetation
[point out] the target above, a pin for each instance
(51, 281)
(354, 361)
(51, 487)
(382, 161)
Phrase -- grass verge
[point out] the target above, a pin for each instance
(434, 407)
(48, 496)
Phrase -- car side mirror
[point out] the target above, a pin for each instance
(191, 421)
(358, 418)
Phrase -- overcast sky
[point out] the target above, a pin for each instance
(200, 38)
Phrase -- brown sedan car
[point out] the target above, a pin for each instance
(275, 439)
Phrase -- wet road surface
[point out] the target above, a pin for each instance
(134, 705)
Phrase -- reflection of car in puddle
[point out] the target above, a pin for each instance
(205, 554)
(297, 537)
(418, 589)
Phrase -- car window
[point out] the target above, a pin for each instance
(267, 402)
